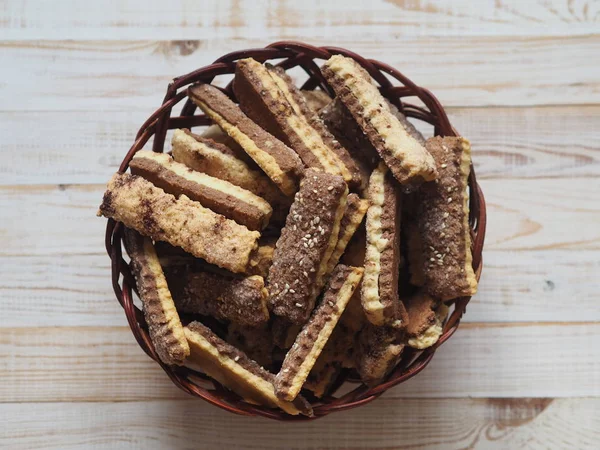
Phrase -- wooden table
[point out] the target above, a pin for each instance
(519, 78)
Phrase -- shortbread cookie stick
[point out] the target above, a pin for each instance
(316, 100)
(356, 209)
(221, 196)
(425, 319)
(379, 292)
(239, 300)
(265, 96)
(236, 371)
(256, 342)
(343, 160)
(217, 160)
(406, 157)
(313, 337)
(277, 160)
(180, 221)
(305, 245)
(379, 351)
(215, 134)
(164, 326)
(443, 219)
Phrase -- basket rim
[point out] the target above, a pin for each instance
(294, 54)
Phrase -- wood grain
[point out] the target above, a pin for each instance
(70, 147)
(433, 424)
(481, 360)
(133, 75)
(231, 19)
(525, 286)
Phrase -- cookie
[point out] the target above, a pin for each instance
(180, 221)
(268, 97)
(239, 300)
(425, 318)
(356, 208)
(236, 371)
(407, 158)
(379, 350)
(219, 161)
(314, 335)
(164, 325)
(379, 291)
(348, 168)
(443, 219)
(277, 160)
(221, 196)
(316, 100)
(306, 243)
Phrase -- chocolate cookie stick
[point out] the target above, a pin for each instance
(306, 244)
(293, 95)
(443, 219)
(406, 157)
(379, 292)
(236, 371)
(164, 326)
(316, 100)
(278, 161)
(217, 160)
(269, 98)
(221, 196)
(239, 300)
(313, 337)
(356, 209)
(425, 319)
(379, 350)
(180, 221)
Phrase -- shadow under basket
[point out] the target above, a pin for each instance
(298, 57)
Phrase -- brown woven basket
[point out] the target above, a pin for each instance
(289, 54)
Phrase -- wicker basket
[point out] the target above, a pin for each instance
(290, 54)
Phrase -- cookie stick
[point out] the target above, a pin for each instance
(221, 196)
(406, 157)
(236, 371)
(314, 335)
(217, 160)
(239, 300)
(278, 161)
(425, 319)
(263, 101)
(356, 209)
(379, 291)
(292, 94)
(305, 245)
(379, 351)
(180, 221)
(443, 219)
(164, 326)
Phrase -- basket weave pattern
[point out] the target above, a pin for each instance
(290, 54)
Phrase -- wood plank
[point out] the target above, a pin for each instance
(522, 214)
(507, 142)
(377, 19)
(133, 75)
(480, 360)
(386, 424)
(524, 286)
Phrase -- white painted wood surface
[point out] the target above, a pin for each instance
(520, 79)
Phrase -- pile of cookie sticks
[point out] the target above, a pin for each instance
(297, 237)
